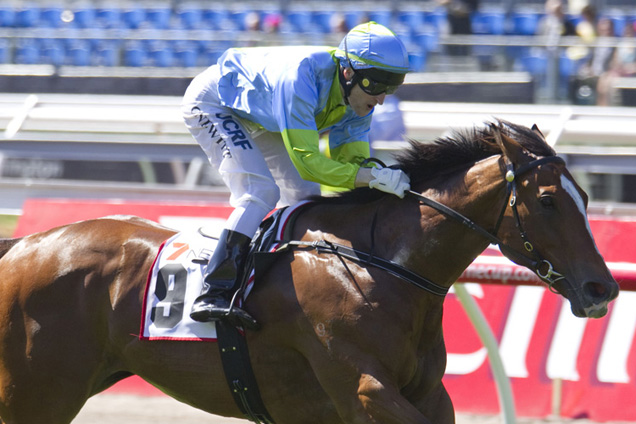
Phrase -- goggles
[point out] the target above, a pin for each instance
(378, 84)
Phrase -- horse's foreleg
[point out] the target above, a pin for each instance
(364, 398)
(384, 404)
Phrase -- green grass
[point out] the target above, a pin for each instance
(8, 224)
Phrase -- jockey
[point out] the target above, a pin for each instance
(258, 115)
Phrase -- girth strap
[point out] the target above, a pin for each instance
(238, 372)
(356, 255)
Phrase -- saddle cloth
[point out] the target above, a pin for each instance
(176, 279)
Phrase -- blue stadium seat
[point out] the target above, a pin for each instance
(51, 17)
(428, 41)
(85, 17)
(569, 67)
(493, 23)
(353, 18)
(211, 54)
(525, 23)
(380, 16)
(299, 20)
(78, 53)
(238, 20)
(159, 17)
(412, 19)
(568, 70)
(619, 22)
(135, 55)
(162, 56)
(321, 21)
(52, 52)
(7, 16)
(133, 17)
(27, 17)
(215, 19)
(417, 61)
(190, 18)
(487, 23)
(27, 52)
(185, 53)
(536, 65)
(437, 19)
(109, 18)
(105, 53)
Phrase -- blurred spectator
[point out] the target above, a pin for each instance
(271, 23)
(586, 27)
(339, 25)
(586, 30)
(623, 64)
(603, 52)
(554, 24)
(253, 21)
(459, 13)
(599, 63)
(575, 6)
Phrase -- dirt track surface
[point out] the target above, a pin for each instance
(126, 409)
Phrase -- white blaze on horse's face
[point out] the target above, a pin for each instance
(570, 188)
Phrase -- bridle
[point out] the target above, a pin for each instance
(540, 266)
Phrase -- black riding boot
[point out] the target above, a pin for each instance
(222, 280)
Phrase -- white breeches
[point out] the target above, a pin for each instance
(253, 164)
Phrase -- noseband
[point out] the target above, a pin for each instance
(540, 266)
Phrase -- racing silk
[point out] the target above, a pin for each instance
(295, 91)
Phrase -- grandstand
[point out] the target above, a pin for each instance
(193, 34)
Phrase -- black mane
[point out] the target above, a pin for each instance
(427, 160)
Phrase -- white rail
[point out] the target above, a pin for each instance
(157, 119)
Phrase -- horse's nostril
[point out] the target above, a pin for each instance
(595, 290)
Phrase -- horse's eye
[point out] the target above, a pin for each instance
(547, 202)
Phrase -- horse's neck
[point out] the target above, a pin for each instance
(413, 235)
(436, 246)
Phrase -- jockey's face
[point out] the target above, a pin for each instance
(361, 102)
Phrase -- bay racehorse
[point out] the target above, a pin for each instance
(341, 341)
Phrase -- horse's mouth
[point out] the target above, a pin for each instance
(596, 311)
(592, 300)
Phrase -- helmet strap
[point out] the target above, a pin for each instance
(347, 85)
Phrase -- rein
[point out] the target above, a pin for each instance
(540, 266)
(359, 256)
(536, 263)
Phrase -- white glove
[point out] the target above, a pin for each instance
(389, 180)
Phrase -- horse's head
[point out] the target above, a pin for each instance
(546, 221)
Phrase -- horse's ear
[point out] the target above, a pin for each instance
(511, 149)
(536, 129)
